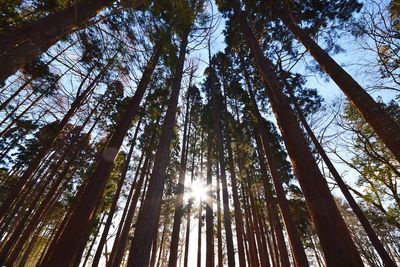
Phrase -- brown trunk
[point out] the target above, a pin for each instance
(383, 124)
(386, 259)
(219, 223)
(122, 239)
(335, 238)
(294, 237)
(264, 234)
(20, 46)
(200, 223)
(126, 209)
(187, 237)
(263, 255)
(173, 253)
(238, 210)
(147, 223)
(75, 231)
(25, 180)
(209, 204)
(113, 207)
(250, 230)
(96, 234)
(220, 152)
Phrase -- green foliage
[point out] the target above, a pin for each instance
(378, 169)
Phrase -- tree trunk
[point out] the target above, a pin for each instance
(122, 239)
(199, 232)
(219, 223)
(146, 226)
(386, 259)
(173, 253)
(126, 209)
(75, 231)
(113, 207)
(220, 152)
(335, 238)
(21, 46)
(383, 124)
(253, 259)
(238, 210)
(294, 237)
(209, 204)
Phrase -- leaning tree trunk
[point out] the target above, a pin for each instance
(20, 46)
(382, 123)
(113, 207)
(75, 232)
(294, 237)
(147, 223)
(25, 181)
(338, 247)
(386, 259)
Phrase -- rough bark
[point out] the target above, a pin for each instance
(382, 123)
(76, 230)
(386, 259)
(20, 46)
(336, 241)
(147, 223)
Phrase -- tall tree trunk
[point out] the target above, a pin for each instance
(173, 253)
(382, 123)
(200, 224)
(123, 238)
(336, 241)
(133, 186)
(113, 207)
(75, 232)
(386, 259)
(21, 46)
(146, 226)
(219, 222)
(95, 235)
(238, 210)
(253, 259)
(294, 237)
(262, 249)
(220, 152)
(209, 203)
(189, 212)
(25, 180)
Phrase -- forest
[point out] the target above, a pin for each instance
(200, 133)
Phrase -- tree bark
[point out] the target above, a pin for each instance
(21, 46)
(220, 152)
(294, 237)
(146, 226)
(113, 207)
(336, 241)
(75, 231)
(382, 123)
(173, 253)
(386, 259)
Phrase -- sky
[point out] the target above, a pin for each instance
(327, 89)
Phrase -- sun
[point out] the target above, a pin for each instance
(197, 191)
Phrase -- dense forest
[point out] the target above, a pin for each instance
(200, 133)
